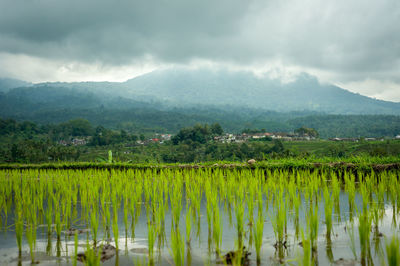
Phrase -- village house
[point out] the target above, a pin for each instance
(230, 138)
(344, 139)
(63, 142)
(74, 141)
(284, 136)
(77, 141)
(227, 138)
(165, 137)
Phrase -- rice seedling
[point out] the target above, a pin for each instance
(313, 225)
(381, 190)
(350, 232)
(365, 194)
(395, 184)
(188, 227)
(376, 215)
(176, 202)
(279, 219)
(393, 251)
(328, 212)
(239, 213)
(351, 192)
(177, 247)
(307, 258)
(19, 228)
(217, 230)
(336, 195)
(31, 241)
(93, 198)
(126, 211)
(260, 200)
(94, 223)
(135, 210)
(364, 230)
(209, 204)
(151, 238)
(115, 229)
(75, 259)
(258, 235)
(250, 202)
(159, 222)
(92, 256)
(250, 207)
(393, 192)
(107, 219)
(115, 205)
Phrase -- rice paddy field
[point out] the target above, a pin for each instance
(199, 217)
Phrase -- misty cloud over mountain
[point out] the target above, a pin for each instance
(182, 87)
(206, 87)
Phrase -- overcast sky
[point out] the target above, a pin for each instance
(351, 43)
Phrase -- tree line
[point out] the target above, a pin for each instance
(27, 142)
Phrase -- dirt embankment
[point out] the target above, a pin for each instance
(339, 166)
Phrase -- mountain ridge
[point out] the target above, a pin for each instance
(245, 89)
(181, 87)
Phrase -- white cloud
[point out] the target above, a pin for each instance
(384, 90)
(36, 69)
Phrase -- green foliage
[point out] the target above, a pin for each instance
(197, 134)
(75, 127)
(58, 103)
(304, 131)
(216, 129)
(27, 142)
(104, 137)
(350, 126)
(110, 156)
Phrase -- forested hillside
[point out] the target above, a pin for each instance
(185, 87)
(343, 126)
(182, 87)
(165, 101)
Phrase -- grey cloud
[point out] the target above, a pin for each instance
(354, 40)
(116, 31)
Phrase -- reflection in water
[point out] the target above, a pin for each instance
(280, 252)
(49, 247)
(328, 248)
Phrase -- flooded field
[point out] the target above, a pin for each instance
(198, 217)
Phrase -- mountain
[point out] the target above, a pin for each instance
(46, 103)
(167, 100)
(26, 101)
(6, 84)
(184, 87)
